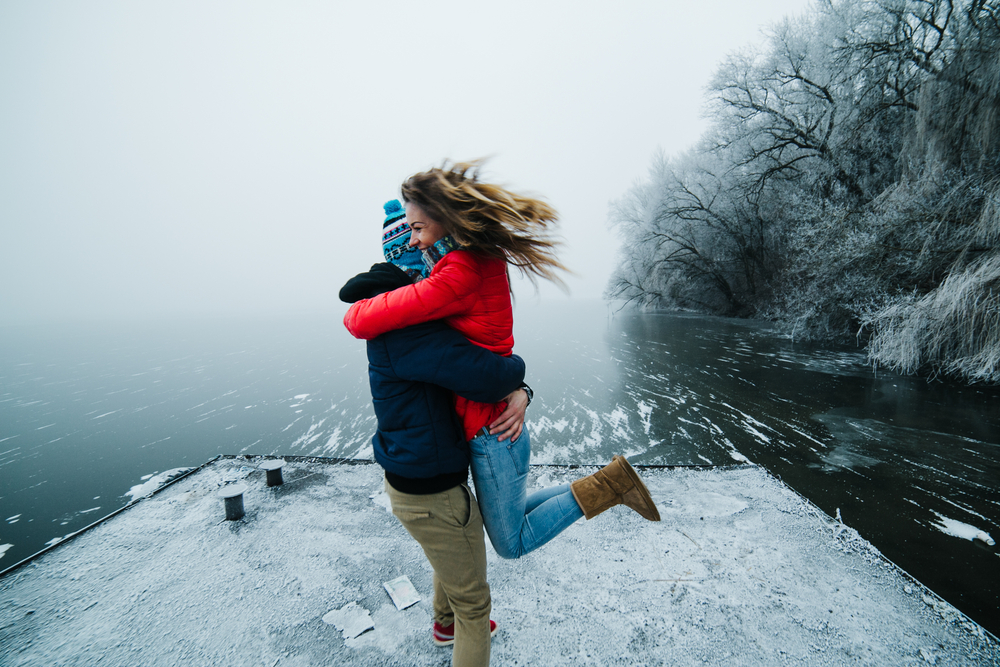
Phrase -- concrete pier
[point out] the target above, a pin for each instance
(740, 571)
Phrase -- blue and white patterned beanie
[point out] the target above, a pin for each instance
(396, 242)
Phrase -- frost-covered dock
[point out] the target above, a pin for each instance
(741, 571)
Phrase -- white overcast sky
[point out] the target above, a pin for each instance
(162, 158)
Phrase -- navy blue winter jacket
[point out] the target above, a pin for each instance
(413, 372)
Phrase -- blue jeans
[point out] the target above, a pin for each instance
(516, 522)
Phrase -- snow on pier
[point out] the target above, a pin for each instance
(741, 571)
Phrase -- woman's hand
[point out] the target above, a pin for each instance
(511, 420)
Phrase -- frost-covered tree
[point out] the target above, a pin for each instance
(941, 220)
(849, 184)
(696, 241)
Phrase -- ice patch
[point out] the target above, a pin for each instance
(618, 420)
(381, 498)
(749, 424)
(707, 504)
(760, 436)
(310, 436)
(645, 415)
(57, 540)
(545, 481)
(14, 518)
(738, 457)
(961, 530)
(143, 490)
(3, 549)
(538, 426)
(351, 619)
(595, 438)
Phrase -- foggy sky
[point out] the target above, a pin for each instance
(161, 159)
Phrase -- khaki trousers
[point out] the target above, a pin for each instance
(449, 528)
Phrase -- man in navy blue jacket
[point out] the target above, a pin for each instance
(421, 446)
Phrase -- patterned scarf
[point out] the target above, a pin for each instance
(440, 248)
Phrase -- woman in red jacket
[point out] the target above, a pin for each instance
(469, 232)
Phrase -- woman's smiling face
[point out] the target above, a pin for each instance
(424, 232)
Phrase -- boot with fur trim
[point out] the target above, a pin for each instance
(615, 484)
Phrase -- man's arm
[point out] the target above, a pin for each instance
(382, 277)
(434, 352)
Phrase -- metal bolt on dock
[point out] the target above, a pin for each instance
(233, 495)
(273, 468)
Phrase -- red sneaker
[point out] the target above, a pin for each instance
(444, 635)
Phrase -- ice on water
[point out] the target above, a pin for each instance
(153, 482)
(962, 530)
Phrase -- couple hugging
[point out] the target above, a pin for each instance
(450, 395)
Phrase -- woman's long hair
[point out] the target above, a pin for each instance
(489, 219)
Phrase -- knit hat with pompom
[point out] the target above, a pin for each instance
(396, 242)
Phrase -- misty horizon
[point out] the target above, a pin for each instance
(164, 160)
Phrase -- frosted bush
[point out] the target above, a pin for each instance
(955, 329)
(848, 184)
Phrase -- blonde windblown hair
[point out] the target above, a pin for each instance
(487, 218)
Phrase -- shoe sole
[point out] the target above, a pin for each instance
(449, 642)
(643, 491)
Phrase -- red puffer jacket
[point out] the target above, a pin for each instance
(468, 291)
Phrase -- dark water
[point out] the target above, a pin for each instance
(87, 412)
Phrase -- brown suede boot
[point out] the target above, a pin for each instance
(614, 484)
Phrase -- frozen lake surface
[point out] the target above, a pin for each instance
(740, 571)
(89, 414)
